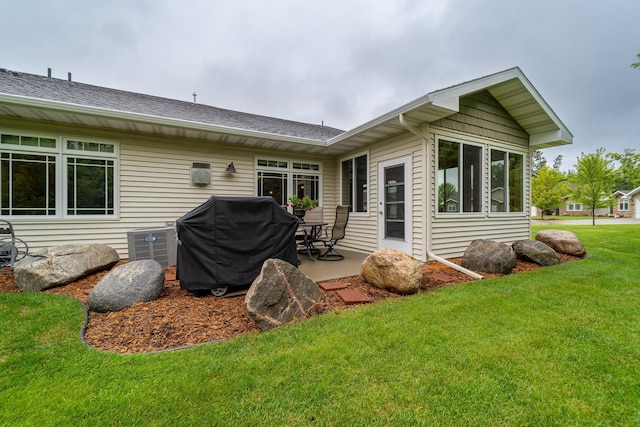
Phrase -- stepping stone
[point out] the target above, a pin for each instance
(443, 277)
(350, 297)
(332, 286)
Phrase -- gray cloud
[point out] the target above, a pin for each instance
(343, 62)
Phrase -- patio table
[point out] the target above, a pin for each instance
(311, 231)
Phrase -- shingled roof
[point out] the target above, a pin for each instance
(53, 89)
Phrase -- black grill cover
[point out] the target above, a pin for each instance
(225, 241)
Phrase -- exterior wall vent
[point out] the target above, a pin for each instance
(201, 174)
(159, 244)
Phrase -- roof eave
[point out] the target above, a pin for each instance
(105, 113)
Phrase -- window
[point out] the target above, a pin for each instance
(572, 206)
(459, 177)
(281, 179)
(623, 205)
(34, 168)
(355, 183)
(507, 182)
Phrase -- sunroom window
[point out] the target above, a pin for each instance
(507, 182)
(459, 177)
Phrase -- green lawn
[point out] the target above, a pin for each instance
(555, 346)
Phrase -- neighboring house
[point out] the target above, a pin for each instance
(83, 163)
(574, 208)
(627, 204)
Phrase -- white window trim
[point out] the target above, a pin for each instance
(368, 198)
(522, 177)
(61, 154)
(626, 202)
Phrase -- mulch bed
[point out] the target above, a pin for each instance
(179, 318)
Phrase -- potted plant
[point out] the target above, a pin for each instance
(302, 205)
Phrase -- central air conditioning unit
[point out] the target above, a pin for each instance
(159, 244)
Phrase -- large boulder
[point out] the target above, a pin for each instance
(562, 241)
(280, 294)
(535, 251)
(490, 257)
(127, 284)
(392, 270)
(59, 265)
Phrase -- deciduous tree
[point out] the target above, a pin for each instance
(548, 188)
(594, 180)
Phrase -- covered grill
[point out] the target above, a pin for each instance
(224, 242)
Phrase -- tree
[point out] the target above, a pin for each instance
(537, 162)
(594, 179)
(627, 175)
(636, 64)
(548, 188)
(557, 162)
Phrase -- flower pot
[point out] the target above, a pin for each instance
(299, 213)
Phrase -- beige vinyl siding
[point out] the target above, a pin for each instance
(481, 115)
(493, 128)
(155, 186)
(451, 238)
(362, 231)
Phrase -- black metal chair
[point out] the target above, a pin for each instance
(337, 233)
(12, 249)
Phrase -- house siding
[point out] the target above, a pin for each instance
(155, 185)
(483, 121)
(362, 232)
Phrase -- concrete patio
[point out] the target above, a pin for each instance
(320, 271)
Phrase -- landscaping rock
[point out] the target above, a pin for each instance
(392, 270)
(535, 251)
(562, 241)
(58, 265)
(136, 281)
(490, 257)
(279, 295)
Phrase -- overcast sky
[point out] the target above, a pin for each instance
(343, 62)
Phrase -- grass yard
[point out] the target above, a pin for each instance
(553, 346)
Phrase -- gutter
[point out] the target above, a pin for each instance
(430, 254)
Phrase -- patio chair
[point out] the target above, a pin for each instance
(337, 233)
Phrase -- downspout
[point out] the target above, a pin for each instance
(425, 135)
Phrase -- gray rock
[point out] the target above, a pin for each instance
(127, 284)
(535, 251)
(59, 265)
(489, 257)
(392, 270)
(279, 295)
(562, 241)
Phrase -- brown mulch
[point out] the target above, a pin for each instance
(179, 318)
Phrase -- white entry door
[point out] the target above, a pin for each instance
(394, 204)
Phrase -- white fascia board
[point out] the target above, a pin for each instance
(550, 139)
(445, 107)
(106, 113)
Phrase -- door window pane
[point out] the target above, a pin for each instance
(394, 206)
(273, 184)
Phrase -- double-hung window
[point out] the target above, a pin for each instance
(45, 176)
(507, 181)
(354, 173)
(623, 205)
(573, 206)
(459, 177)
